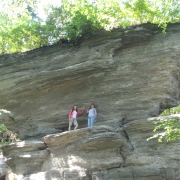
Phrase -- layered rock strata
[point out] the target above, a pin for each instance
(131, 75)
(101, 152)
(25, 157)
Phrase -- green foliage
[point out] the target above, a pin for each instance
(78, 27)
(167, 129)
(16, 25)
(3, 128)
(7, 136)
(21, 29)
(74, 20)
(174, 110)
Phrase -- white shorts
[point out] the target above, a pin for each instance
(73, 121)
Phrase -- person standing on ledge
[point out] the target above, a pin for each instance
(92, 114)
(73, 113)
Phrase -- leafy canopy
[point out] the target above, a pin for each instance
(167, 127)
(3, 128)
(22, 29)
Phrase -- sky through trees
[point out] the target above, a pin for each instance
(29, 24)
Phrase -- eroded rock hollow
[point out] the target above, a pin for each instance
(130, 74)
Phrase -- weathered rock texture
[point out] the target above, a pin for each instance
(4, 169)
(130, 75)
(26, 157)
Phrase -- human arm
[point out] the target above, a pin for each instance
(80, 112)
(70, 114)
(88, 109)
(95, 113)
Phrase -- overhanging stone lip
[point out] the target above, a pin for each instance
(102, 134)
(23, 146)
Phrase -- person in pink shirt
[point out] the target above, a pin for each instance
(73, 113)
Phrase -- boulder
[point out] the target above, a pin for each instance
(4, 169)
(25, 157)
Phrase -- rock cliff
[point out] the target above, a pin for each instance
(130, 74)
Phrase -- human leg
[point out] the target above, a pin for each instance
(70, 124)
(92, 121)
(76, 124)
(69, 128)
(89, 121)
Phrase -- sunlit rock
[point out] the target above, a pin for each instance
(95, 148)
(131, 75)
(25, 157)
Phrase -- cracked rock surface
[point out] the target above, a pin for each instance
(130, 74)
(101, 152)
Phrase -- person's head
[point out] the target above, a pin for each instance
(75, 108)
(92, 105)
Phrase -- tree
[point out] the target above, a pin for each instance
(3, 129)
(22, 29)
(167, 125)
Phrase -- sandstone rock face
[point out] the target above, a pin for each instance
(25, 157)
(4, 169)
(131, 75)
(101, 152)
(87, 148)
